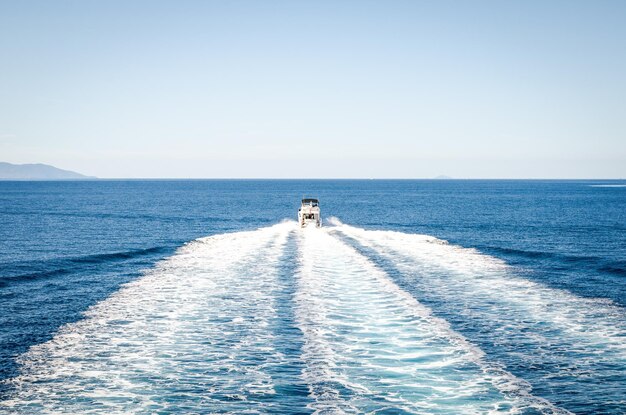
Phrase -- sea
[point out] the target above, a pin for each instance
(414, 297)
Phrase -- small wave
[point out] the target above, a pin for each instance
(12, 279)
(607, 185)
(592, 262)
(115, 256)
(615, 268)
(519, 252)
(67, 265)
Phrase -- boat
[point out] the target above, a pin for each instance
(309, 213)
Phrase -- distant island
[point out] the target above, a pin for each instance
(10, 171)
(443, 177)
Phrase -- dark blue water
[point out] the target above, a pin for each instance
(65, 246)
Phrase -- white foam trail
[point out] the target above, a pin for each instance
(188, 336)
(369, 346)
(543, 326)
(200, 332)
(483, 277)
(333, 221)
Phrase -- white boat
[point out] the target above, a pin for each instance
(309, 213)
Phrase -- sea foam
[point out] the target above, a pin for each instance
(330, 320)
(561, 337)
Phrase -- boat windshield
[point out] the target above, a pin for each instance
(311, 202)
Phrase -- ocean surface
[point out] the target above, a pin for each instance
(416, 297)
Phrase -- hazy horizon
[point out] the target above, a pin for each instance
(484, 90)
(438, 177)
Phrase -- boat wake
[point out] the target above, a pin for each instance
(327, 320)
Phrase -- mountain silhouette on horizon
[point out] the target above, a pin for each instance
(37, 171)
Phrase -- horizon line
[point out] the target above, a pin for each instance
(92, 178)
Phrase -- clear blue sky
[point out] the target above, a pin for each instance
(469, 89)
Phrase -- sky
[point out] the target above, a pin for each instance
(315, 89)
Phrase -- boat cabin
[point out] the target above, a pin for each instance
(309, 212)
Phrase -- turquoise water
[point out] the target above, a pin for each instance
(444, 297)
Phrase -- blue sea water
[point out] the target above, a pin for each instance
(417, 296)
